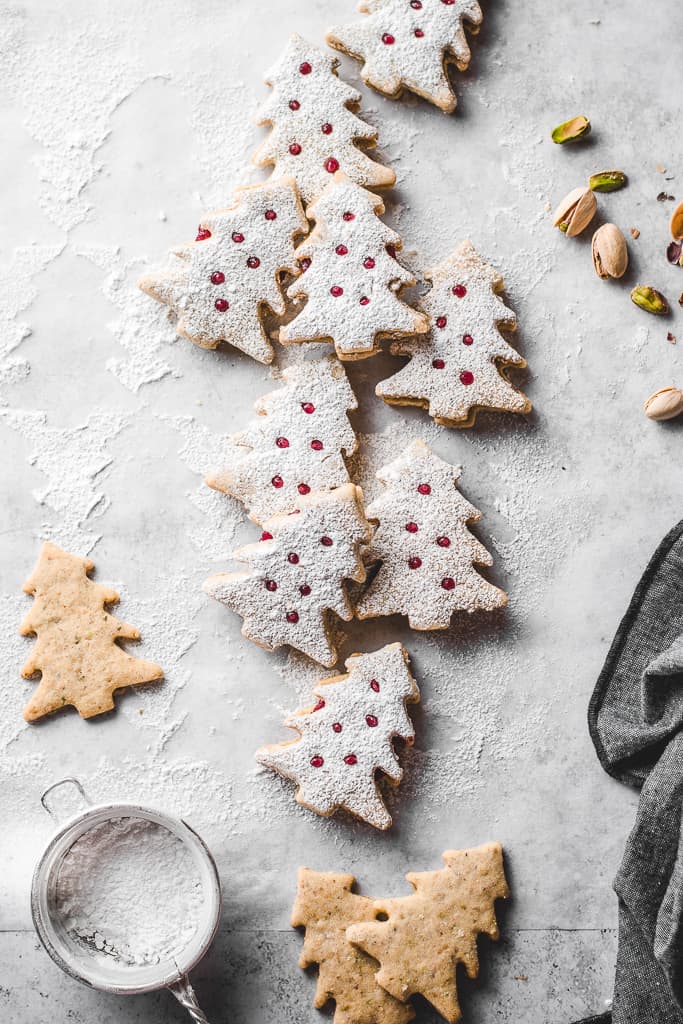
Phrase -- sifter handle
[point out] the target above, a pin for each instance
(184, 993)
(79, 800)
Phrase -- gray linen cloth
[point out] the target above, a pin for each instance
(636, 722)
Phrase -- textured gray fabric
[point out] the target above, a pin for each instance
(636, 721)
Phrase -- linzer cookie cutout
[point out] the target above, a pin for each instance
(219, 284)
(297, 443)
(351, 276)
(326, 906)
(426, 552)
(459, 367)
(76, 650)
(315, 130)
(409, 44)
(418, 940)
(347, 737)
(297, 574)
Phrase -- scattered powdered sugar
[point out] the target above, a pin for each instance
(129, 890)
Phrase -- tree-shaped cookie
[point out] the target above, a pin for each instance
(315, 129)
(408, 44)
(297, 573)
(422, 937)
(426, 552)
(219, 284)
(325, 906)
(352, 279)
(347, 737)
(76, 650)
(459, 367)
(296, 444)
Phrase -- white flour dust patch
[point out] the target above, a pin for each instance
(72, 459)
(143, 328)
(14, 649)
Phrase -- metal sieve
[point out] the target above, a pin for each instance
(75, 959)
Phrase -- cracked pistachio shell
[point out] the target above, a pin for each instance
(650, 300)
(664, 404)
(610, 254)
(607, 181)
(570, 131)
(575, 212)
(677, 223)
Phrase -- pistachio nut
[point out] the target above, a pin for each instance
(607, 181)
(650, 300)
(674, 253)
(664, 404)
(610, 255)
(677, 223)
(575, 212)
(570, 131)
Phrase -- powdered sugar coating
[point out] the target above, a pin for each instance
(217, 284)
(314, 125)
(456, 369)
(408, 45)
(426, 551)
(296, 577)
(351, 281)
(296, 444)
(348, 737)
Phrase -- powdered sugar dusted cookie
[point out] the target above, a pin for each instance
(315, 130)
(459, 367)
(347, 737)
(218, 284)
(296, 444)
(408, 44)
(426, 551)
(351, 278)
(297, 573)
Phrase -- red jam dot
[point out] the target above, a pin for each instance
(416, 5)
(222, 305)
(438, 364)
(348, 215)
(305, 68)
(371, 720)
(350, 759)
(271, 585)
(270, 215)
(331, 165)
(217, 277)
(441, 322)
(364, 300)
(424, 489)
(374, 685)
(303, 488)
(447, 583)
(304, 264)
(304, 590)
(341, 250)
(293, 558)
(459, 290)
(412, 527)
(295, 149)
(317, 446)
(466, 377)
(308, 407)
(237, 236)
(320, 705)
(336, 291)
(419, 33)
(388, 39)
(467, 339)
(448, 3)
(294, 104)
(414, 563)
(326, 128)
(266, 536)
(337, 726)
(326, 542)
(317, 761)
(282, 442)
(253, 262)
(277, 481)
(202, 234)
(368, 263)
(292, 617)
(443, 542)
